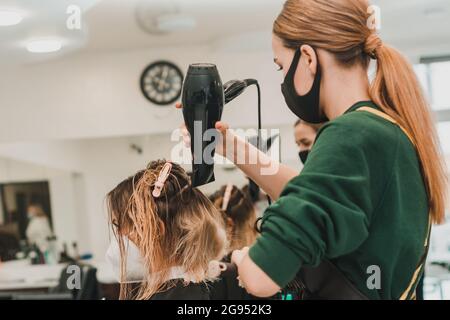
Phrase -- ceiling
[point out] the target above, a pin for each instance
(114, 24)
(42, 19)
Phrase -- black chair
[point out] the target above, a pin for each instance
(89, 287)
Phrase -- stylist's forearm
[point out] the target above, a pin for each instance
(269, 174)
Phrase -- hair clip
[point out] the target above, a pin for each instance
(227, 196)
(163, 175)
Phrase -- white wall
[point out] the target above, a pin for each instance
(99, 96)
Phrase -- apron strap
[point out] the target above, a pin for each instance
(388, 118)
(409, 293)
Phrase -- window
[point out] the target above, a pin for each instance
(422, 74)
(440, 79)
(443, 129)
(434, 75)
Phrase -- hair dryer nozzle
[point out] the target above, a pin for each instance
(235, 88)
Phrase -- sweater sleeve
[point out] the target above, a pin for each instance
(325, 212)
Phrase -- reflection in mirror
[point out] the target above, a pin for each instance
(26, 219)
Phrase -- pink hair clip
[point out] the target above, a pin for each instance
(226, 196)
(163, 175)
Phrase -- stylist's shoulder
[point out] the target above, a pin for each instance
(339, 130)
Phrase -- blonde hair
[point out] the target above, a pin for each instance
(39, 211)
(180, 228)
(340, 27)
(239, 217)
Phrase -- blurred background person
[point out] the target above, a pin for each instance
(305, 135)
(38, 229)
(239, 216)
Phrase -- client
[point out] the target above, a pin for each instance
(166, 234)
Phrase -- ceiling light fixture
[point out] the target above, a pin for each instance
(44, 45)
(10, 18)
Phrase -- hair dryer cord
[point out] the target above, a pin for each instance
(235, 88)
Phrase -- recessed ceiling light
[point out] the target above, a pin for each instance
(10, 18)
(44, 45)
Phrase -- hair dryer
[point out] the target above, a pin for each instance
(203, 99)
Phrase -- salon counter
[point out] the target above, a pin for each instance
(21, 275)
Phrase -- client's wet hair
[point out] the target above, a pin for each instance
(178, 228)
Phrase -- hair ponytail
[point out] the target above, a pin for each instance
(397, 91)
(340, 27)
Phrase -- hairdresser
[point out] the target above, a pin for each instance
(355, 223)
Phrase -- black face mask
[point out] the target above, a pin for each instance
(304, 155)
(305, 107)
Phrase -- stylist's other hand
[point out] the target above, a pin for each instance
(236, 258)
(222, 127)
(238, 255)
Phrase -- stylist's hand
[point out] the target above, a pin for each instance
(222, 127)
(238, 255)
(236, 258)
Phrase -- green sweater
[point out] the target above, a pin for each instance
(360, 201)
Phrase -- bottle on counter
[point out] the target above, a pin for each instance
(51, 252)
(35, 255)
(64, 256)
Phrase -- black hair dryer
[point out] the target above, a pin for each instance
(203, 100)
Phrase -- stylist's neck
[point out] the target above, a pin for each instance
(342, 88)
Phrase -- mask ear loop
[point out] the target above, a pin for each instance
(227, 196)
(162, 178)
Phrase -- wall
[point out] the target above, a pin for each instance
(98, 95)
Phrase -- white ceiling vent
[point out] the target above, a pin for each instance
(162, 17)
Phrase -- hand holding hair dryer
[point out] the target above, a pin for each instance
(203, 99)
